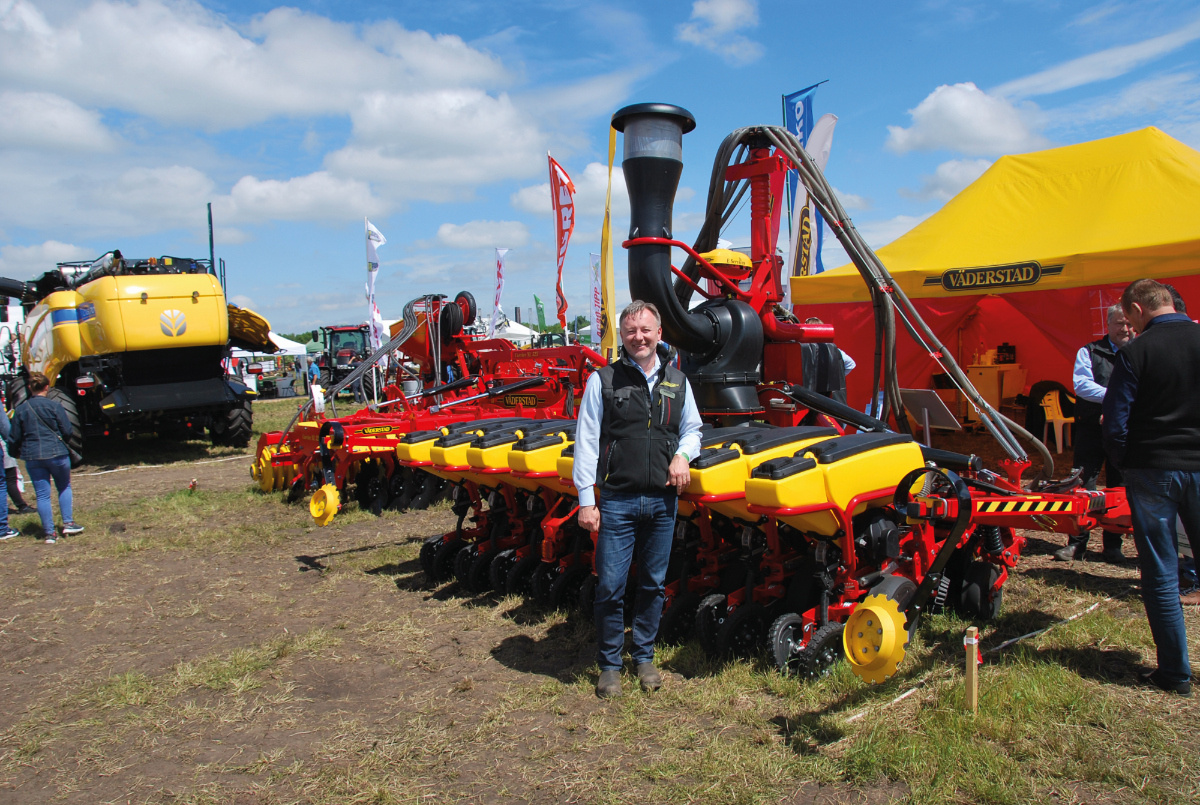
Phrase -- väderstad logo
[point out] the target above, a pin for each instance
(173, 323)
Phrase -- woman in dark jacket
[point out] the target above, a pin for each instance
(40, 429)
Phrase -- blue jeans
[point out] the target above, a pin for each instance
(1156, 497)
(42, 470)
(631, 524)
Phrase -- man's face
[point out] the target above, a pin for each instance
(640, 335)
(1119, 330)
(1136, 317)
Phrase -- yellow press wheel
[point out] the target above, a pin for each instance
(324, 504)
(875, 638)
(264, 472)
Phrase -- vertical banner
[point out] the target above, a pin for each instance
(808, 236)
(541, 312)
(375, 239)
(604, 328)
(496, 311)
(805, 257)
(562, 194)
(597, 298)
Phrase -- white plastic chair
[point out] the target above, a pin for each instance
(1052, 405)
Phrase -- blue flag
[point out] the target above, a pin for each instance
(798, 119)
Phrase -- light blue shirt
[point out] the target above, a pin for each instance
(1086, 386)
(587, 431)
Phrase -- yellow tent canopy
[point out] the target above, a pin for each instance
(1101, 212)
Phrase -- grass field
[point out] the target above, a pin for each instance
(214, 646)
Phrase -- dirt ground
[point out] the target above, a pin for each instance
(215, 646)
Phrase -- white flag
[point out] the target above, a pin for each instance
(375, 238)
(806, 237)
(597, 299)
(496, 311)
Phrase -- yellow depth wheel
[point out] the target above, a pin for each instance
(266, 473)
(324, 504)
(875, 638)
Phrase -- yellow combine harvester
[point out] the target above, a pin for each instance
(137, 346)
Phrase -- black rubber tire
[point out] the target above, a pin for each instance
(678, 619)
(450, 321)
(371, 385)
(234, 427)
(821, 653)
(462, 564)
(479, 579)
(75, 439)
(520, 577)
(977, 600)
(466, 302)
(428, 552)
(710, 616)
(443, 560)
(741, 635)
(543, 579)
(502, 562)
(785, 639)
(16, 392)
(565, 590)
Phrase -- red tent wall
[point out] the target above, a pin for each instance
(1046, 327)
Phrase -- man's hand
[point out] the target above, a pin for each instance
(589, 518)
(677, 474)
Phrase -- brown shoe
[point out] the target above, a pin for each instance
(1191, 599)
(609, 685)
(649, 676)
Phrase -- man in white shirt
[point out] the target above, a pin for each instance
(638, 428)
(1093, 367)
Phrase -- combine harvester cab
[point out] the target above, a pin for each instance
(138, 345)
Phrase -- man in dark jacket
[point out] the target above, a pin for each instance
(637, 430)
(1093, 368)
(1152, 432)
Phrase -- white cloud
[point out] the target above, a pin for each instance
(207, 73)
(713, 26)
(948, 179)
(964, 118)
(26, 262)
(44, 121)
(851, 201)
(315, 197)
(483, 234)
(1099, 66)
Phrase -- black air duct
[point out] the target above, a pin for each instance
(721, 341)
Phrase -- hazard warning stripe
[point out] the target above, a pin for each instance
(1001, 507)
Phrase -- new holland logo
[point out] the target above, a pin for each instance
(527, 400)
(173, 323)
(985, 278)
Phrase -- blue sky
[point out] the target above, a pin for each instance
(120, 120)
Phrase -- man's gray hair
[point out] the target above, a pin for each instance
(1114, 311)
(636, 307)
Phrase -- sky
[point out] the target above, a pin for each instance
(120, 121)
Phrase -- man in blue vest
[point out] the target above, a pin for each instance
(638, 428)
(1093, 368)
(1152, 432)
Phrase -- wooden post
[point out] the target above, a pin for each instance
(971, 647)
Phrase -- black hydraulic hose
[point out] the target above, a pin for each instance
(876, 275)
(838, 410)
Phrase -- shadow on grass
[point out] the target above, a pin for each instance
(1114, 665)
(1073, 578)
(314, 562)
(103, 453)
(563, 653)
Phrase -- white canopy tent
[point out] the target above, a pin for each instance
(286, 347)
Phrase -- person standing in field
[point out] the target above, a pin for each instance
(40, 429)
(638, 428)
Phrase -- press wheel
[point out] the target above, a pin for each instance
(741, 634)
(564, 592)
(710, 617)
(821, 653)
(520, 578)
(443, 560)
(678, 619)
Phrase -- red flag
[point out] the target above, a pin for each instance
(562, 194)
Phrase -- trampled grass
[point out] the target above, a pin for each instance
(285, 663)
